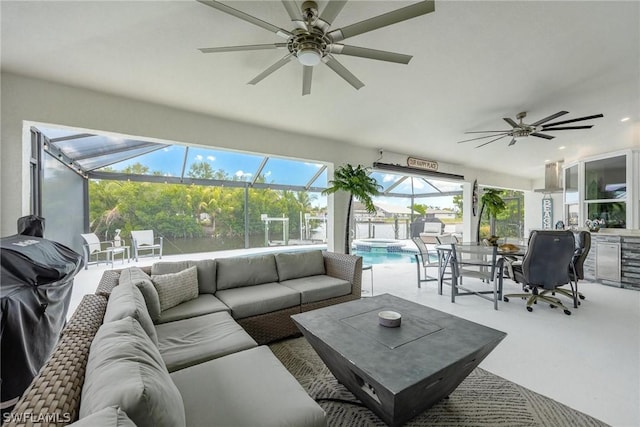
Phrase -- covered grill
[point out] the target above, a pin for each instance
(36, 283)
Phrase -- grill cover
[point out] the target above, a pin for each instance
(37, 279)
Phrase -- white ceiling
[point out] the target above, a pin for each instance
(474, 63)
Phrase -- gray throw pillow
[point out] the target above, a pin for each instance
(299, 264)
(112, 416)
(176, 288)
(125, 369)
(135, 276)
(127, 300)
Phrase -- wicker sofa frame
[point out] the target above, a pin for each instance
(53, 398)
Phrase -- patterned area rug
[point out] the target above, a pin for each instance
(482, 399)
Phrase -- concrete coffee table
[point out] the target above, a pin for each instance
(396, 372)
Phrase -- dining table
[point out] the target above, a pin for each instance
(484, 262)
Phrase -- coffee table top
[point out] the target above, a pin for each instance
(427, 341)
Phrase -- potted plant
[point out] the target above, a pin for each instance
(493, 203)
(357, 182)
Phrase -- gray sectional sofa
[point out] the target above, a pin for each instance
(181, 343)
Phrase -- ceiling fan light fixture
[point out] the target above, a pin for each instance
(309, 56)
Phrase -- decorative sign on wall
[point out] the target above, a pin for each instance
(429, 165)
(547, 213)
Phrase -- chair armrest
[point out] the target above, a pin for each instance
(345, 267)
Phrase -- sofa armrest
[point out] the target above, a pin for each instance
(346, 267)
(53, 398)
(108, 281)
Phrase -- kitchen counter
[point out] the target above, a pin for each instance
(614, 258)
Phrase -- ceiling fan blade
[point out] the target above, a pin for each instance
(292, 10)
(364, 52)
(541, 135)
(246, 17)
(487, 131)
(482, 137)
(511, 122)
(331, 10)
(564, 122)
(551, 117)
(241, 48)
(390, 18)
(284, 61)
(513, 141)
(295, 14)
(343, 72)
(493, 140)
(568, 127)
(307, 73)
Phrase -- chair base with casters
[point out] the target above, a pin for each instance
(546, 266)
(533, 298)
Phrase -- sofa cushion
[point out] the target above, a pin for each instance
(206, 272)
(135, 276)
(112, 416)
(318, 288)
(127, 300)
(258, 391)
(259, 299)
(245, 271)
(125, 369)
(198, 339)
(299, 264)
(204, 304)
(175, 288)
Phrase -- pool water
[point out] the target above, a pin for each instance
(383, 257)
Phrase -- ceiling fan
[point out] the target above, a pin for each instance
(523, 130)
(311, 41)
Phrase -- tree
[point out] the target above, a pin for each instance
(493, 203)
(458, 202)
(359, 185)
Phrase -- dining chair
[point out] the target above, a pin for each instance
(424, 259)
(480, 262)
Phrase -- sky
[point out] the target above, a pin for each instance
(244, 166)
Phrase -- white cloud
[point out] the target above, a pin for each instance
(388, 177)
(242, 174)
(211, 158)
(199, 157)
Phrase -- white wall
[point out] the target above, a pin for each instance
(533, 210)
(26, 99)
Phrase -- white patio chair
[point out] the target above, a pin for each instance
(144, 240)
(94, 248)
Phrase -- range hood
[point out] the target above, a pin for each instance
(552, 178)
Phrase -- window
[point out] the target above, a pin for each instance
(571, 197)
(606, 191)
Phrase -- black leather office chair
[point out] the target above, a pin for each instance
(545, 267)
(576, 270)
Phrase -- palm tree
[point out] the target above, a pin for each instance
(359, 185)
(493, 203)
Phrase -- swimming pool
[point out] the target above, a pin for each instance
(384, 251)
